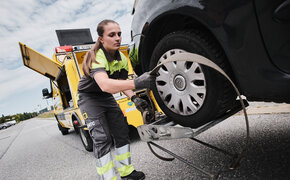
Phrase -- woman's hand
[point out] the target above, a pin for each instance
(140, 104)
(146, 80)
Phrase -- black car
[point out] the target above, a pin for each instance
(248, 39)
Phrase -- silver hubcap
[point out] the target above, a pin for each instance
(181, 85)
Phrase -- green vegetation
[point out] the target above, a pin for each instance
(46, 115)
(23, 116)
(18, 117)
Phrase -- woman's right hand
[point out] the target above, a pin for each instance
(145, 80)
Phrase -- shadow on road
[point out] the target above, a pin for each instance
(133, 134)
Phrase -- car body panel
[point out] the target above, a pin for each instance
(235, 27)
(275, 32)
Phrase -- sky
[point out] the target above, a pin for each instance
(33, 22)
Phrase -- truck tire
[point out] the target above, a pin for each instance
(188, 93)
(86, 139)
(64, 131)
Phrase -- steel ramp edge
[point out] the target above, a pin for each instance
(164, 129)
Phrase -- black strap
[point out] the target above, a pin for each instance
(157, 155)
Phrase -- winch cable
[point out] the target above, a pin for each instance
(195, 58)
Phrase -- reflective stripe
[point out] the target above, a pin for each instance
(123, 149)
(120, 164)
(126, 170)
(123, 160)
(104, 160)
(105, 168)
(123, 156)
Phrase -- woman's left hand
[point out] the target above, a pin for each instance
(140, 104)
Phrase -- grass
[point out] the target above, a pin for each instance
(46, 115)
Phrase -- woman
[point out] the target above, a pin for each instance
(105, 73)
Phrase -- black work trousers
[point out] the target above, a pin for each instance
(105, 122)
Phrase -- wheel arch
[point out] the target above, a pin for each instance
(171, 22)
(56, 117)
(75, 116)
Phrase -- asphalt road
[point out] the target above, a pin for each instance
(35, 149)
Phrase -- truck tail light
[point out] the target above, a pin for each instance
(76, 122)
(63, 49)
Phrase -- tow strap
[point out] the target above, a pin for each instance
(190, 57)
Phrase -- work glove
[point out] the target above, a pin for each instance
(144, 81)
(140, 103)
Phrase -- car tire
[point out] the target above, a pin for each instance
(186, 99)
(86, 139)
(64, 131)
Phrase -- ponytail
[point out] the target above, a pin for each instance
(90, 57)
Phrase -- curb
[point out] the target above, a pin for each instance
(267, 108)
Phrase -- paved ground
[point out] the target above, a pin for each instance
(267, 156)
(35, 149)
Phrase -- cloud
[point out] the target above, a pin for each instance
(34, 22)
(18, 80)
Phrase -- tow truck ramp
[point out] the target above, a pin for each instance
(165, 129)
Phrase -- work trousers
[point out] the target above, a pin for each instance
(105, 122)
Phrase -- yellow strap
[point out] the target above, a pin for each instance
(123, 156)
(104, 169)
(126, 170)
(114, 178)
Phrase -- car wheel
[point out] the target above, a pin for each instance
(86, 139)
(64, 131)
(189, 93)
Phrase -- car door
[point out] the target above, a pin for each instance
(274, 21)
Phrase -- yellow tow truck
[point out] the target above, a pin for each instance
(64, 71)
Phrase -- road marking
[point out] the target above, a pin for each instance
(4, 137)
